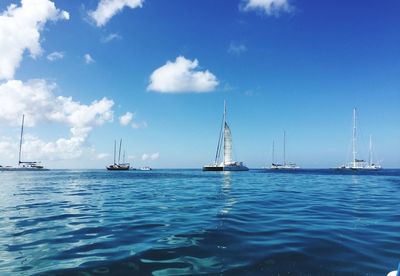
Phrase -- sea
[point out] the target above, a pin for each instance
(189, 222)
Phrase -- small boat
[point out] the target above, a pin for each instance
(118, 166)
(284, 166)
(225, 142)
(145, 168)
(359, 164)
(24, 165)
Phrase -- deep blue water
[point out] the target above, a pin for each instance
(168, 222)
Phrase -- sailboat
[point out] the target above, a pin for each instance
(359, 164)
(118, 166)
(284, 166)
(24, 165)
(225, 142)
(371, 165)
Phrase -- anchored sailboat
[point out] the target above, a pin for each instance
(225, 142)
(24, 165)
(285, 166)
(118, 166)
(359, 164)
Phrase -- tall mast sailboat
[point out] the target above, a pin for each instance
(118, 166)
(225, 144)
(285, 166)
(24, 165)
(359, 164)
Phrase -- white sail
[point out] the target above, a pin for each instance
(227, 144)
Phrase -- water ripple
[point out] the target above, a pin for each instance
(190, 222)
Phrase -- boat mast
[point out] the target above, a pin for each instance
(218, 152)
(119, 153)
(273, 152)
(223, 129)
(354, 137)
(370, 151)
(115, 149)
(123, 157)
(20, 140)
(284, 148)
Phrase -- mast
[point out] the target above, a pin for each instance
(119, 153)
(115, 149)
(284, 148)
(354, 137)
(273, 152)
(20, 140)
(123, 157)
(370, 151)
(218, 152)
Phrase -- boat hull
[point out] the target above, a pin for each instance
(228, 168)
(12, 169)
(117, 168)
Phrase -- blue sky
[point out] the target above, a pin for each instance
(299, 66)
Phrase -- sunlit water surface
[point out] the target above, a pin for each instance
(170, 222)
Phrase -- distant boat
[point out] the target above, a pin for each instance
(284, 166)
(225, 142)
(118, 166)
(359, 164)
(24, 165)
(145, 168)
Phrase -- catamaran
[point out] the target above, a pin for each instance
(284, 166)
(359, 164)
(24, 165)
(225, 142)
(118, 166)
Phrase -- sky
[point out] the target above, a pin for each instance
(156, 73)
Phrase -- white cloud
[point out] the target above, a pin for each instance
(139, 125)
(20, 29)
(108, 8)
(37, 100)
(181, 76)
(126, 118)
(111, 37)
(269, 7)
(237, 48)
(88, 59)
(55, 56)
(151, 157)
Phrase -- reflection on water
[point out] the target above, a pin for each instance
(229, 199)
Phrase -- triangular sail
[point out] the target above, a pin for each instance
(227, 144)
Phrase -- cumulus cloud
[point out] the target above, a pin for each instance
(88, 59)
(236, 48)
(20, 29)
(108, 8)
(269, 7)
(126, 118)
(181, 76)
(55, 56)
(151, 157)
(38, 101)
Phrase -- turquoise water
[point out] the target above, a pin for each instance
(168, 222)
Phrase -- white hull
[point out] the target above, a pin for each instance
(21, 169)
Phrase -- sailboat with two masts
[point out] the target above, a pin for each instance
(359, 164)
(118, 166)
(225, 144)
(24, 165)
(284, 166)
